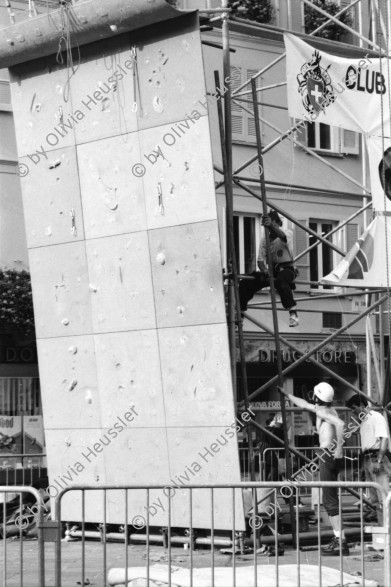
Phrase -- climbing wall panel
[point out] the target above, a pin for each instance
(120, 361)
(179, 255)
(72, 378)
(51, 212)
(104, 94)
(61, 290)
(107, 186)
(121, 289)
(199, 376)
(41, 99)
(126, 270)
(172, 171)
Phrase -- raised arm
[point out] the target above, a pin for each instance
(300, 403)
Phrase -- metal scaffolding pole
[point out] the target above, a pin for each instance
(292, 346)
(234, 283)
(281, 57)
(273, 299)
(229, 180)
(227, 150)
(316, 348)
(292, 219)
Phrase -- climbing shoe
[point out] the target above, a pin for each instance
(293, 319)
(334, 548)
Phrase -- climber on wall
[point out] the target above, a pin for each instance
(284, 270)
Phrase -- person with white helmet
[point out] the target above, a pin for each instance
(330, 430)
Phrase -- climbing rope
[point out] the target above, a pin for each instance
(68, 21)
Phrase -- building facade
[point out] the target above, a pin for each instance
(308, 189)
(21, 419)
(304, 187)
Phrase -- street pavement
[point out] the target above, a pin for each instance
(114, 554)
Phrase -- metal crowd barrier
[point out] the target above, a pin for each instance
(139, 527)
(272, 461)
(17, 568)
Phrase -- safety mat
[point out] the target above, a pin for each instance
(288, 576)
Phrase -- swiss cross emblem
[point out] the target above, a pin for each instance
(316, 95)
(315, 85)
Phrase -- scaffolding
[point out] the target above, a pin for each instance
(248, 99)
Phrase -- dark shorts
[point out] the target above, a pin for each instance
(329, 468)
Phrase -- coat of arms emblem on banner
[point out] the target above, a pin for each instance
(315, 86)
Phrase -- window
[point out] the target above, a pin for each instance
(320, 136)
(329, 139)
(246, 237)
(243, 124)
(320, 260)
(321, 257)
(20, 395)
(332, 320)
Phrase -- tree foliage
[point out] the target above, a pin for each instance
(313, 19)
(258, 10)
(16, 303)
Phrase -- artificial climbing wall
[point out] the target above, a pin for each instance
(124, 250)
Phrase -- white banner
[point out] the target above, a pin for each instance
(339, 91)
(365, 265)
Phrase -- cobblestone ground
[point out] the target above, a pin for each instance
(71, 572)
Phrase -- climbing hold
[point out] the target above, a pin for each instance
(157, 105)
(72, 385)
(114, 28)
(54, 164)
(161, 258)
(65, 321)
(73, 350)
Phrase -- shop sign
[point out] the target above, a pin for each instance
(19, 354)
(10, 434)
(290, 356)
(270, 405)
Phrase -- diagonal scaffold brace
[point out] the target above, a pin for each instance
(274, 302)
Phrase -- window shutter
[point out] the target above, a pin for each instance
(303, 264)
(297, 16)
(250, 119)
(5, 92)
(301, 133)
(238, 119)
(351, 235)
(349, 142)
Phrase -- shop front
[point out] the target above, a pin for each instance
(22, 445)
(345, 359)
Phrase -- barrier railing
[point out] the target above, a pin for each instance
(263, 509)
(270, 464)
(273, 463)
(15, 570)
(21, 468)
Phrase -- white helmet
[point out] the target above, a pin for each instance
(324, 392)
